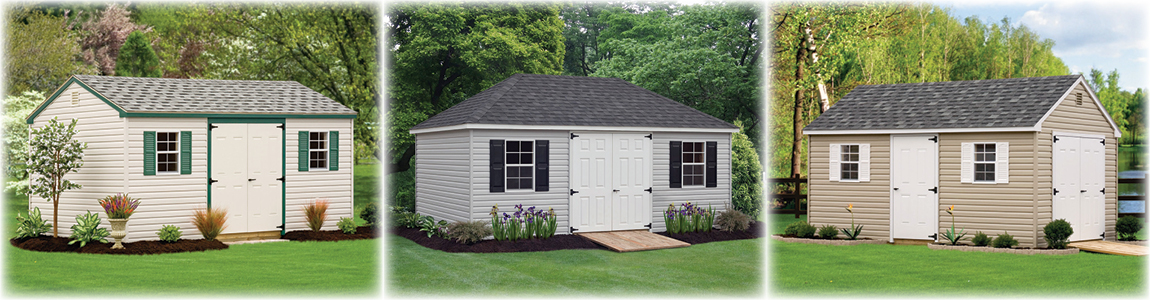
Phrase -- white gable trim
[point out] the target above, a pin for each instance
(1081, 80)
(571, 128)
(923, 130)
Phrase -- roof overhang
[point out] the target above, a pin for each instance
(923, 130)
(571, 128)
(1082, 80)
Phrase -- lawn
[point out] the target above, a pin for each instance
(818, 270)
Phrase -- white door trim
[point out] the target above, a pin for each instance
(616, 144)
(891, 189)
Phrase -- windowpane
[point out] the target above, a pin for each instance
(989, 167)
(512, 172)
(314, 155)
(525, 146)
(979, 148)
(161, 146)
(512, 146)
(988, 147)
(314, 164)
(315, 136)
(990, 176)
(688, 147)
(525, 158)
(688, 158)
(989, 157)
(979, 167)
(512, 184)
(322, 163)
(512, 158)
(525, 172)
(525, 183)
(854, 148)
(699, 157)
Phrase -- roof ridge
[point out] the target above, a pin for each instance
(176, 79)
(692, 109)
(970, 81)
(479, 113)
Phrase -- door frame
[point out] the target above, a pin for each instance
(1054, 170)
(890, 182)
(571, 173)
(283, 158)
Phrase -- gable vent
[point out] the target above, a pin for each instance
(75, 98)
(1079, 98)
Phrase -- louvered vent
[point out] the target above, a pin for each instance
(75, 98)
(1079, 98)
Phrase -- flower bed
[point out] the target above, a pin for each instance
(361, 232)
(1027, 251)
(836, 242)
(60, 244)
(753, 232)
(556, 242)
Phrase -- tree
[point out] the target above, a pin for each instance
(54, 154)
(136, 58)
(16, 109)
(746, 174)
(41, 52)
(104, 35)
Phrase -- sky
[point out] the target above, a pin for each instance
(1103, 35)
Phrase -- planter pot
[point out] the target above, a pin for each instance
(119, 231)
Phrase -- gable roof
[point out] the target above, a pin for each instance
(554, 100)
(160, 97)
(1014, 104)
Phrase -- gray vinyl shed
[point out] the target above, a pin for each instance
(603, 153)
(1010, 155)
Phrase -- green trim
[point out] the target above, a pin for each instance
(283, 184)
(333, 151)
(185, 152)
(246, 120)
(233, 116)
(209, 165)
(149, 153)
(60, 90)
(304, 139)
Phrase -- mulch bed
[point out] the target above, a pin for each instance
(556, 242)
(60, 244)
(715, 235)
(361, 233)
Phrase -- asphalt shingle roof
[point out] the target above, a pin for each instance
(531, 99)
(171, 95)
(994, 103)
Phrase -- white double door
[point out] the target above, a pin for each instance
(1079, 179)
(247, 162)
(610, 181)
(914, 186)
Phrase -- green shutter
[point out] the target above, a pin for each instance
(149, 153)
(185, 152)
(303, 142)
(333, 151)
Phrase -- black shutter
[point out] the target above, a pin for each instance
(497, 166)
(676, 164)
(712, 164)
(541, 165)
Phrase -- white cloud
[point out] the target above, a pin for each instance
(1091, 28)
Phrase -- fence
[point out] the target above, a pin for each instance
(794, 196)
(1133, 197)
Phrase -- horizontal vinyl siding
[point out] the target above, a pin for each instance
(828, 200)
(304, 187)
(166, 199)
(441, 174)
(990, 208)
(556, 197)
(718, 197)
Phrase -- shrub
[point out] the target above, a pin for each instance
(746, 174)
(87, 229)
(469, 232)
(801, 229)
(210, 222)
(1057, 233)
(169, 233)
(119, 206)
(1005, 240)
(733, 220)
(427, 224)
(369, 213)
(980, 239)
(828, 232)
(688, 218)
(315, 212)
(347, 225)
(32, 225)
(408, 220)
(1127, 228)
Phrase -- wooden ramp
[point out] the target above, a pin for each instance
(632, 240)
(1109, 247)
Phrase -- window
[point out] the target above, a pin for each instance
(693, 163)
(168, 152)
(520, 164)
(849, 163)
(317, 150)
(984, 159)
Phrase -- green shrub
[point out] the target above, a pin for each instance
(468, 232)
(746, 174)
(733, 220)
(1127, 228)
(87, 229)
(347, 225)
(32, 225)
(1005, 240)
(980, 239)
(369, 213)
(801, 229)
(828, 232)
(169, 233)
(408, 220)
(1057, 233)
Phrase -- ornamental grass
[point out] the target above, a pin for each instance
(210, 221)
(316, 212)
(119, 206)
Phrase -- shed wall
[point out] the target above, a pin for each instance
(828, 200)
(304, 187)
(992, 208)
(555, 197)
(166, 199)
(717, 197)
(442, 176)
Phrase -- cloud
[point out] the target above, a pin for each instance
(1080, 28)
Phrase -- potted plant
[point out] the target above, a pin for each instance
(119, 208)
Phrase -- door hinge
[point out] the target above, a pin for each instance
(935, 190)
(210, 127)
(573, 229)
(648, 225)
(648, 190)
(1103, 191)
(1103, 141)
(281, 226)
(1055, 191)
(1103, 235)
(281, 126)
(649, 137)
(573, 135)
(280, 179)
(1056, 139)
(574, 192)
(211, 181)
(935, 139)
(933, 236)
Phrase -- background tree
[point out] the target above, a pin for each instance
(54, 154)
(41, 51)
(104, 35)
(136, 58)
(746, 174)
(16, 109)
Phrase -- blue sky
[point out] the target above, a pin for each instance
(1104, 35)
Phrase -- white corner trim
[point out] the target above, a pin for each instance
(923, 130)
(1097, 103)
(572, 128)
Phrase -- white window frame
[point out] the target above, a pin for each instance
(684, 164)
(992, 163)
(507, 165)
(325, 150)
(857, 163)
(175, 150)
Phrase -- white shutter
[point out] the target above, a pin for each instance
(1002, 162)
(836, 156)
(967, 174)
(864, 162)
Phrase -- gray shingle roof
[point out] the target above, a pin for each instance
(994, 103)
(531, 99)
(170, 95)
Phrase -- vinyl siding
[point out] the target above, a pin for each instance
(165, 199)
(828, 200)
(717, 197)
(441, 174)
(990, 208)
(556, 197)
(304, 187)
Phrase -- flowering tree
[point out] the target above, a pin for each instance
(104, 36)
(16, 108)
(52, 154)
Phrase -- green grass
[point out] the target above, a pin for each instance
(808, 269)
(719, 268)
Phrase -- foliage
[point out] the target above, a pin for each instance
(469, 232)
(951, 235)
(347, 225)
(746, 174)
(316, 213)
(1125, 108)
(853, 232)
(210, 222)
(407, 219)
(1127, 228)
(980, 239)
(369, 214)
(32, 225)
(137, 59)
(41, 52)
(401, 189)
(828, 232)
(427, 224)
(53, 154)
(801, 229)
(119, 206)
(523, 224)
(733, 220)
(16, 109)
(170, 233)
(104, 35)
(688, 218)
(1004, 240)
(87, 229)
(1057, 233)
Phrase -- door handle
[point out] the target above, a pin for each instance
(253, 179)
(1083, 191)
(896, 189)
(618, 191)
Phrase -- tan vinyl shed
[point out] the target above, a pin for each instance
(1010, 155)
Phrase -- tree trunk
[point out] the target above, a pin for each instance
(797, 145)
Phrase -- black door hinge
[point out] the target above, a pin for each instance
(281, 226)
(649, 137)
(933, 236)
(935, 190)
(1055, 191)
(1103, 191)
(573, 229)
(574, 192)
(211, 181)
(1056, 139)
(648, 190)
(210, 127)
(280, 179)
(1103, 141)
(935, 139)
(281, 126)
(573, 135)
(1103, 235)
(648, 225)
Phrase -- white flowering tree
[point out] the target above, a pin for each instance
(52, 154)
(16, 108)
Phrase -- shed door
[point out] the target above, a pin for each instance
(610, 175)
(914, 186)
(247, 162)
(1079, 179)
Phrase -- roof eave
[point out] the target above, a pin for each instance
(922, 130)
(1097, 103)
(571, 128)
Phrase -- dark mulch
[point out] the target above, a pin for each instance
(715, 235)
(60, 244)
(362, 232)
(556, 242)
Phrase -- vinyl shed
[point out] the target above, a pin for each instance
(1010, 155)
(605, 154)
(260, 149)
